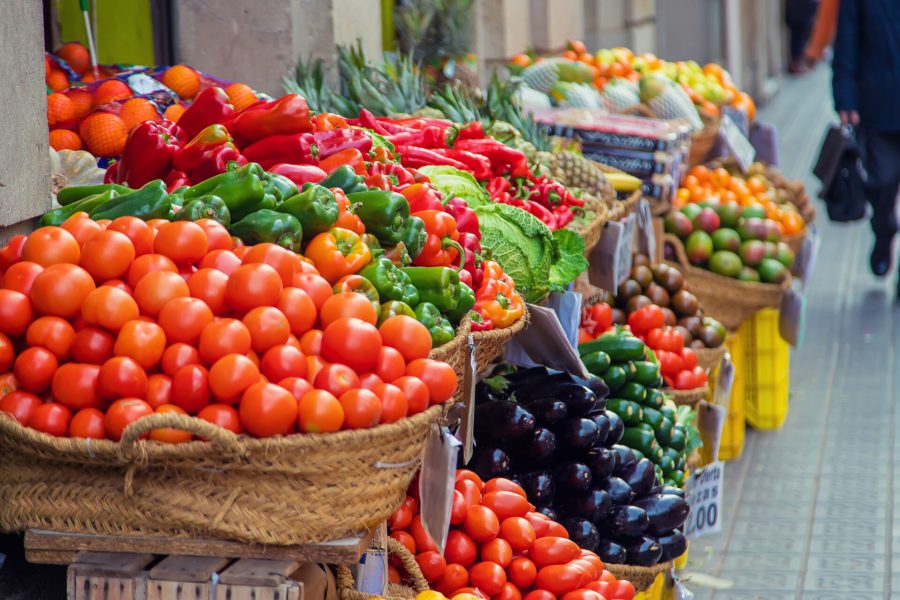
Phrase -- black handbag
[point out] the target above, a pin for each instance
(843, 176)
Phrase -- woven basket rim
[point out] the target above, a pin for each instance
(688, 397)
(640, 577)
(593, 230)
(709, 358)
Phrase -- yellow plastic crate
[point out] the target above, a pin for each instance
(681, 561)
(732, 444)
(767, 371)
(657, 591)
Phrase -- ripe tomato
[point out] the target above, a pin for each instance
(20, 276)
(463, 474)
(281, 259)
(209, 285)
(502, 484)
(508, 592)
(123, 413)
(390, 365)
(148, 263)
(298, 386)
(51, 418)
(92, 345)
(553, 551)
(406, 539)
(182, 241)
(393, 402)
(52, 333)
(119, 285)
(267, 409)
(522, 572)
(268, 327)
(554, 529)
(314, 364)
(107, 255)
(438, 376)
(311, 343)
(221, 337)
(368, 381)
(176, 356)
(497, 550)
(645, 319)
(137, 231)
(12, 251)
(539, 522)
(424, 543)
(517, 531)
(470, 492)
(316, 286)
(230, 376)
(253, 285)
(155, 289)
(143, 341)
(489, 577)
(221, 260)
(183, 319)
(159, 390)
(88, 423)
(468, 593)
(506, 504)
(458, 508)
(299, 309)
(50, 246)
(77, 386)
(400, 518)
(337, 379)
(110, 308)
(624, 590)
(455, 577)
(352, 342)
(416, 393)
(217, 236)
(20, 405)
(60, 290)
(319, 412)
(34, 369)
(558, 579)
(539, 595)
(280, 362)
(223, 415)
(362, 409)
(82, 228)
(583, 594)
(190, 388)
(407, 335)
(169, 435)
(481, 523)
(122, 377)
(432, 564)
(347, 304)
(590, 570)
(15, 312)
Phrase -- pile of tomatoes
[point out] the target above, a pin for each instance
(498, 547)
(677, 364)
(104, 323)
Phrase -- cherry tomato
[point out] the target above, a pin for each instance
(282, 260)
(34, 369)
(319, 412)
(508, 592)
(352, 342)
(221, 337)
(253, 285)
(107, 255)
(209, 285)
(347, 304)
(337, 379)
(553, 551)
(518, 532)
(123, 413)
(181, 241)
(88, 423)
(522, 572)
(217, 236)
(268, 327)
(60, 290)
(624, 590)
(299, 309)
(148, 263)
(497, 550)
(455, 576)
(482, 523)
(51, 418)
(159, 390)
(20, 405)
(122, 377)
(20, 276)
(223, 415)
(438, 376)
(316, 286)
(109, 308)
(190, 388)
(489, 577)
(432, 564)
(416, 392)
(407, 335)
(52, 333)
(50, 246)
(267, 409)
(143, 341)
(230, 376)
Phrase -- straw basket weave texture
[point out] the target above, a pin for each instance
(690, 398)
(454, 352)
(709, 358)
(591, 231)
(640, 577)
(491, 345)
(347, 587)
(702, 142)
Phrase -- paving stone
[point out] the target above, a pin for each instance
(755, 594)
(869, 583)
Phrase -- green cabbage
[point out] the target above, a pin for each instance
(450, 181)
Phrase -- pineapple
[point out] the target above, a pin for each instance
(669, 100)
(620, 94)
(543, 74)
(581, 172)
(575, 95)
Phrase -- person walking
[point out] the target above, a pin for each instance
(799, 15)
(866, 86)
(823, 31)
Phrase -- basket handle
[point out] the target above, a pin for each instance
(346, 585)
(680, 255)
(194, 425)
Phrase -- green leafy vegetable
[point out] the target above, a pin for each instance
(451, 181)
(572, 262)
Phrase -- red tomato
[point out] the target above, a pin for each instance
(311, 343)
(460, 548)
(268, 327)
(347, 304)
(280, 362)
(407, 335)
(92, 345)
(362, 409)
(508, 592)
(416, 392)
(137, 231)
(190, 388)
(316, 286)
(539, 595)
(438, 376)
(51, 418)
(590, 569)
(688, 380)
(583, 594)
(209, 285)
(502, 484)
(182, 241)
(53, 333)
(107, 255)
(337, 379)
(432, 564)
(603, 588)
(143, 341)
(34, 369)
(624, 590)
(391, 364)
(689, 358)
(665, 338)
(497, 550)
(459, 508)
(50, 246)
(253, 285)
(522, 572)
(591, 557)
(110, 308)
(455, 577)
(223, 415)
(482, 523)
(554, 529)
(122, 377)
(230, 376)
(646, 318)
(157, 288)
(298, 386)
(12, 252)
(267, 409)
(518, 532)
(299, 309)
(184, 318)
(81, 227)
(368, 381)
(400, 518)
(159, 390)
(20, 405)
(168, 435)
(670, 364)
(319, 412)
(540, 522)
(423, 541)
(20, 276)
(88, 423)
(352, 342)
(489, 577)
(217, 237)
(16, 312)
(123, 413)
(60, 290)
(558, 579)
(406, 539)
(471, 493)
(176, 356)
(281, 259)
(221, 337)
(466, 474)
(601, 314)
(393, 402)
(148, 263)
(553, 551)
(221, 260)
(506, 504)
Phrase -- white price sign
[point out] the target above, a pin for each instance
(704, 492)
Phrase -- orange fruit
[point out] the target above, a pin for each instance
(174, 112)
(577, 46)
(241, 95)
(521, 60)
(57, 80)
(76, 55)
(138, 110)
(182, 80)
(59, 108)
(82, 101)
(104, 134)
(110, 91)
(48, 66)
(88, 78)
(64, 139)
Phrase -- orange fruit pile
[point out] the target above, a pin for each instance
(104, 134)
(110, 91)
(241, 95)
(59, 108)
(138, 110)
(182, 80)
(65, 139)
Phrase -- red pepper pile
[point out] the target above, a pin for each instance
(548, 200)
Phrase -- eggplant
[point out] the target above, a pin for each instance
(539, 487)
(673, 545)
(601, 420)
(573, 476)
(579, 399)
(611, 552)
(502, 421)
(626, 520)
(486, 393)
(642, 551)
(490, 461)
(540, 447)
(665, 512)
(583, 533)
(640, 475)
(576, 435)
(595, 384)
(527, 377)
(624, 457)
(548, 412)
(548, 511)
(591, 505)
(618, 490)
(616, 429)
(670, 489)
(601, 462)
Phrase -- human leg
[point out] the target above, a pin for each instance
(883, 169)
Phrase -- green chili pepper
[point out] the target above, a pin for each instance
(465, 300)
(393, 309)
(205, 207)
(149, 202)
(279, 186)
(58, 216)
(270, 226)
(415, 236)
(73, 193)
(345, 177)
(315, 207)
(385, 214)
(441, 329)
(390, 281)
(437, 285)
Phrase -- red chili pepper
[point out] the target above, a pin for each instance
(350, 156)
(503, 158)
(112, 172)
(479, 165)
(472, 131)
(295, 148)
(430, 137)
(393, 127)
(564, 216)
(411, 156)
(299, 174)
(177, 179)
(419, 177)
(336, 140)
(541, 213)
(421, 196)
(472, 262)
(466, 219)
(189, 157)
(289, 115)
(421, 122)
(327, 121)
(442, 248)
(367, 120)
(149, 152)
(209, 107)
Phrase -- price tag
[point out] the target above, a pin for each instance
(806, 258)
(710, 423)
(436, 483)
(604, 258)
(764, 138)
(467, 422)
(568, 308)
(544, 342)
(792, 317)
(703, 493)
(737, 143)
(646, 234)
(724, 381)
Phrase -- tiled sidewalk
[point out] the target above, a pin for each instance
(810, 508)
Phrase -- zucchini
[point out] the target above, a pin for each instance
(633, 391)
(656, 399)
(647, 373)
(639, 439)
(637, 454)
(657, 455)
(614, 378)
(630, 370)
(678, 439)
(630, 412)
(620, 348)
(652, 417)
(596, 362)
(664, 431)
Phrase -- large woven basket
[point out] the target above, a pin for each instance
(709, 358)
(417, 582)
(702, 142)
(454, 352)
(690, 398)
(491, 345)
(288, 490)
(592, 231)
(640, 577)
(729, 301)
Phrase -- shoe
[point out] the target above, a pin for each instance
(880, 260)
(797, 67)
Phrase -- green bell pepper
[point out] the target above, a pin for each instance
(414, 236)
(345, 177)
(279, 186)
(58, 216)
(465, 300)
(437, 285)
(243, 196)
(269, 226)
(73, 193)
(374, 245)
(149, 202)
(205, 207)
(384, 214)
(315, 207)
(391, 282)
(440, 328)
(394, 308)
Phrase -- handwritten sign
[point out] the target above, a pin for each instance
(737, 143)
(703, 492)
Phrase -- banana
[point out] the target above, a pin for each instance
(623, 182)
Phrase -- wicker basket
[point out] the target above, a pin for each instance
(690, 398)
(702, 142)
(454, 352)
(347, 586)
(592, 231)
(709, 358)
(727, 300)
(491, 345)
(282, 490)
(640, 577)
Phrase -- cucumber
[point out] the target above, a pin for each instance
(630, 370)
(672, 453)
(596, 362)
(630, 412)
(647, 373)
(667, 464)
(678, 439)
(633, 391)
(667, 411)
(656, 399)
(620, 348)
(614, 378)
(678, 479)
(652, 417)
(657, 455)
(640, 440)
(664, 431)
(637, 454)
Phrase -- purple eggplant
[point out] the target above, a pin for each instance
(616, 429)
(548, 412)
(549, 512)
(502, 421)
(582, 532)
(624, 458)
(592, 505)
(618, 490)
(673, 545)
(576, 435)
(626, 521)
(640, 475)
(601, 420)
(538, 486)
(611, 552)
(490, 461)
(573, 476)
(539, 447)
(664, 511)
(642, 551)
(601, 462)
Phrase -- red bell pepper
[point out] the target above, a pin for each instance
(381, 182)
(430, 137)
(177, 179)
(295, 148)
(479, 321)
(328, 121)
(12, 252)
(299, 174)
(288, 115)
(403, 176)
(472, 261)
(347, 217)
(392, 126)
(350, 156)
(421, 196)
(149, 152)
(334, 141)
(411, 156)
(442, 249)
(466, 219)
(210, 106)
(190, 157)
(215, 161)
(479, 165)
